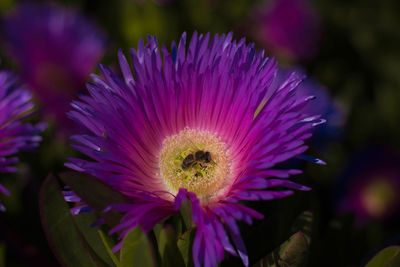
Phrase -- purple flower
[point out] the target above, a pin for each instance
(182, 126)
(15, 105)
(324, 104)
(290, 28)
(370, 187)
(80, 206)
(56, 49)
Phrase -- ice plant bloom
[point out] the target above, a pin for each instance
(182, 126)
(290, 28)
(56, 49)
(370, 187)
(15, 105)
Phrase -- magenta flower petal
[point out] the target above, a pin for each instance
(182, 127)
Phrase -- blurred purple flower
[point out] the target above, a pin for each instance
(183, 128)
(56, 49)
(324, 105)
(15, 106)
(290, 28)
(370, 188)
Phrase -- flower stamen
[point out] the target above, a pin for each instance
(195, 160)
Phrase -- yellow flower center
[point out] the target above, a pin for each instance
(195, 160)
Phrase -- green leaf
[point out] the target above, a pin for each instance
(167, 246)
(259, 108)
(157, 230)
(92, 236)
(185, 243)
(109, 244)
(96, 194)
(291, 253)
(66, 241)
(137, 250)
(294, 251)
(388, 257)
(304, 224)
(186, 213)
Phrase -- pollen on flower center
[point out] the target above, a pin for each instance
(195, 160)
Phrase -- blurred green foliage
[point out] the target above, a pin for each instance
(388, 257)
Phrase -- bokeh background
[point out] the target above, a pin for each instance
(348, 49)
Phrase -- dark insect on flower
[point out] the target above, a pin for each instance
(207, 157)
(200, 155)
(189, 160)
(203, 156)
